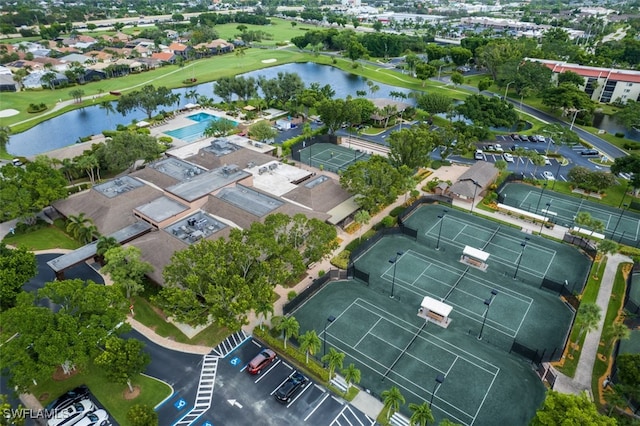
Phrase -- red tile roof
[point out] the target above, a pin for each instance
(628, 76)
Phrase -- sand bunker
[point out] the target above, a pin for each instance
(10, 112)
(269, 61)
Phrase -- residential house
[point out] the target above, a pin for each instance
(37, 80)
(167, 57)
(7, 83)
(180, 49)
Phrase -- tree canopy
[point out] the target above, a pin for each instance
(590, 180)
(147, 99)
(224, 279)
(629, 116)
(488, 112)
(375, 183)
(125, 148)
(564, 409)
(412, 146)
(26, 191)
(628, 164)
(17, 266)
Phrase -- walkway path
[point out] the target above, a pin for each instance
(583, 377)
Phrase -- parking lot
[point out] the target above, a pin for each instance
(240, 398)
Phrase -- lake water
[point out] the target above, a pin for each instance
(68, 128)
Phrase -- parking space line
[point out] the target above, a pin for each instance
(335, 419)
(244, 368)
(337, 400)
(299, 394)
(256, 343)
(326, 395)
(267, 372)
(281, 383)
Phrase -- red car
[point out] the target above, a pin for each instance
(260, 361)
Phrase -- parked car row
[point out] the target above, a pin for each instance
(531, 138)
(75, 408)
(289, 388)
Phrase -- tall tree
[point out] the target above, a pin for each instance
(421, 414)
(127, 269)
(262, 131)
(587, 319)
(351, 375)
(333, 359)
(147, 99)
(25, 191)
(629, 116)
(393, 400)
(309, 343)
(123, 360)
(412, 146)
(221, 127)
(142, 415)
(559, 408)
(628, 164)
(17, 266)
(605, 247)
(289, 327)
(125, 148)
(5, 131)
(617, 331)
(82, 228)
(362, 217)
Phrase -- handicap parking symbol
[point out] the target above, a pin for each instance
(180, 404)
(235, 361)
(207, 424)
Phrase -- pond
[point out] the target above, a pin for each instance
(609, 124)
(68, 128)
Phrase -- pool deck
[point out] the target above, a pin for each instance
(181, 120)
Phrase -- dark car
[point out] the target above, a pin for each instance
(260, 361)
(290, 387)
(69, 398)
(590, 153)
(515, 136)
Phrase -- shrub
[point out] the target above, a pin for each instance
(321, 272)
(389, 221)
(396, 211)
(291, 295)
(109, 133)
(165, 139)
(341, 261)
(619, 135)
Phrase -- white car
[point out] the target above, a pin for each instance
(547, 162)
(498, 147)
(507, 157)
(93, 419)
(548, 175)
(71, 415)
(479, 155)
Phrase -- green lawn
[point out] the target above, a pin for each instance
(152, 318)
(152, 391)
(613, 310)
(42, 237)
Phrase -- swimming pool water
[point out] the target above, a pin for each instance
(194, 132)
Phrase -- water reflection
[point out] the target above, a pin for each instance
(68, 128)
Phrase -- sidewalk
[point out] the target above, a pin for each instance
(583, 377)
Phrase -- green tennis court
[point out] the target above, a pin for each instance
(331, 157)
(393, 347)
(564, 209)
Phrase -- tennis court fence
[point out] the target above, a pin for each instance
(536, 356)
(317, 284)
(425, 199)
(630, 305)
(563, 290)
(584, 243)
(299, 146)
(366, 245)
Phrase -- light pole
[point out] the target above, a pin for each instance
(613, 234)
(394, 261)
(544, 186)
(575, 114)
(439, 381)
(329, 320)
(441, 217)
(523, 245)
(545, 216)
(557, 176)
(507, 89)
(624, 194)
(475, 188)
(487, 303)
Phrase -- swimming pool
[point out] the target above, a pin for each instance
(194, 132)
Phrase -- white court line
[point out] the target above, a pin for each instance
(326, 395)
(450, 367)
(421, 361)
(421, 274)
(411, 326)
(484, 399)
(372, 361)
(488, 284)
(369, 331)
(522, 321)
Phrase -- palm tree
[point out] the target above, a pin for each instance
(351, 375)
(240, 53)
(310, 343)
(76, 223)
(604, 248)
(587, 319)
(5, 131)
(263, 310)
(333, 360)
(421, 414)
(362, 217)
(392, 399)
(289, 326)
(617, 331)
(615, 398)
(108, 108)
(191, 94)
(104, 244)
